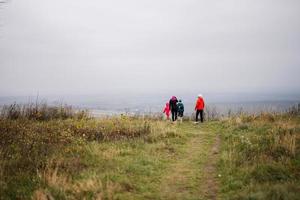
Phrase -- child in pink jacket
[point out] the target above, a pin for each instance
(167, 110)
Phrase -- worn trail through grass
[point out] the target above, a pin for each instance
(193, 175)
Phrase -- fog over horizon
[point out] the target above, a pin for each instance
(68, 48)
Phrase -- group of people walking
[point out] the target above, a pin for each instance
(176, 108)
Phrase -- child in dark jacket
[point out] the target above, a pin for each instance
(180, 108)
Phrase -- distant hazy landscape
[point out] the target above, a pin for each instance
(138, 104)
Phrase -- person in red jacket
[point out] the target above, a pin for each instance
(199, 108)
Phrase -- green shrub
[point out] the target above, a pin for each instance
(270, 172)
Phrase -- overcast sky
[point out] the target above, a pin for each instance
(95, 46)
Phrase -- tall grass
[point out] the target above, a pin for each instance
(41, 112)
(260, 155)
(33, 134)
(42, 149)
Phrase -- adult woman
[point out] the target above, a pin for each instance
(173, 107)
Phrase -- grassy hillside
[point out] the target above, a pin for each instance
(260, 157)
(55, 153)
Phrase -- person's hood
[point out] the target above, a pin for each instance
(173, 98)
(167, 104)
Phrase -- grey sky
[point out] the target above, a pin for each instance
(86, 47)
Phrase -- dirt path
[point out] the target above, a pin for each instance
(193, 175)
(210, 176)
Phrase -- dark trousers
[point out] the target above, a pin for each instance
(174, 115)
(180, 114)
(201, 115)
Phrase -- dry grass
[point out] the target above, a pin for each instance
(78, 189)
(160, 130)
(261, 149)
(84, 158)
(28, 144)
(41, 112)
(285, 138)
(41, 194)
